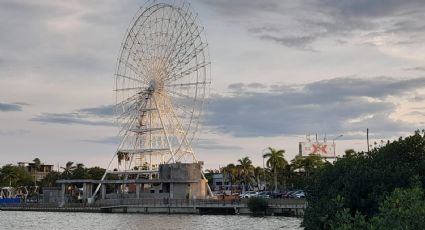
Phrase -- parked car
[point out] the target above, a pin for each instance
(248, 194)
(290, 194)
(297, 194)
(264, 195)
(277, 194)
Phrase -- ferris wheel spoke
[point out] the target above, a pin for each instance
(189, 84)
(127, 109)
(177, 48)
(188, 57)
(131, 67)
(130, 78)
(140, 53)
(126, 101)
(135, 42)
(180, 94)
(188, 71)
(128, 89)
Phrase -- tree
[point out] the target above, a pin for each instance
(245, 170)
(68, 170)
(275, 161)
(50, 179)
(96, 173)
(11, 175)
(230, 173)
(80, 172)
(403, 209)
(37, 164)
(349, 152)
(307, 164)
(363, 179)
(259, 175)
(120, 157)
(123, 156)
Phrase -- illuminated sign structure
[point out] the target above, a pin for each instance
(323, 148)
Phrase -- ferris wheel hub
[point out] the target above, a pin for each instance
(152, 86)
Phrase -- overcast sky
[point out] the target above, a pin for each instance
(280, 69)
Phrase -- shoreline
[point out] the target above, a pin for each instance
(289, 210)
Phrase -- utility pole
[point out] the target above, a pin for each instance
(333, 143)
(367, 138)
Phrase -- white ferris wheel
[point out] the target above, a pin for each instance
(161, 84)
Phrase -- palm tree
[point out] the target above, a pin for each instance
(276, 161)
(123, 156)
(246, 170)
(11, 177)
(259, 176)
(229, 173)
(126, 159)
(349, 153)
(37, 167)
(120, 156)
(80, 172)
(37, 164)
(68, 169)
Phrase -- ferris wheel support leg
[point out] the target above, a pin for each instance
(109, 165)
(208, 186)
(193, 156)
(165, 130)
(102, 179)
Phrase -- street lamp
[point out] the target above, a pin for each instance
(333, 143)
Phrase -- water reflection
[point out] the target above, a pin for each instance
(49, 220)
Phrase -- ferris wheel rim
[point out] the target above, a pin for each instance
(203, 86)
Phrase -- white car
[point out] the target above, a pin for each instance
(248, 194)
(299, 195)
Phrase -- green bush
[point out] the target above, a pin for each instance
(257, 205)
(403, 209)
(360, 182)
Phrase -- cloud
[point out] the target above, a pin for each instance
(416, 113)
(235, 87)
(68, 119)
(22, 103)
(417, 68)
(214, 145)
(18, 132)
(5, 107)
(284, 22)
(95, 116)
(301, 42)
(340, 105)
(113, 140)
(63, 35)
(101, 111)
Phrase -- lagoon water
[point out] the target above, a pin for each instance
(93, 221)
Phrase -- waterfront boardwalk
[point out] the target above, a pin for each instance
(287, 207)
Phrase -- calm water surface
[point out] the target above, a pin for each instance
(51, 221)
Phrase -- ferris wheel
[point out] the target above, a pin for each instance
(161, 84)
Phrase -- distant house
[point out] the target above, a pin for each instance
(36, 174)
(218, 181)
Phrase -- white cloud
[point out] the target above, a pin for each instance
(60, 57)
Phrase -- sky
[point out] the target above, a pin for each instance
(281, 69)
